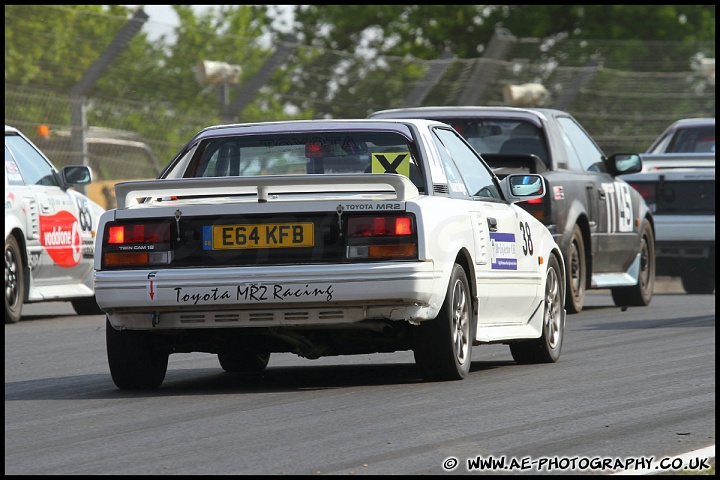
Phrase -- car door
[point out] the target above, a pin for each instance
(53, 230)
(614, 239)
(506, 269)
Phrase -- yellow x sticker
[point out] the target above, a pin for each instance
(391, 162)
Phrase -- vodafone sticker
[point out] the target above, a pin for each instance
(60, 235)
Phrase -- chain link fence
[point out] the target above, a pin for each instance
(623, 103)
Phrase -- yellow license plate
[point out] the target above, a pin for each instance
(265, 235)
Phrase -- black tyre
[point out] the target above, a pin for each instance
(135, 359)
(443, 346)
(547, 348)
(699, 282)
(86, 306)
(243, 362)
(699, 279)
(576, 273)
(14, 281)
(641, 294)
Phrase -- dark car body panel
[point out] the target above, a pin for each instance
(583, 191)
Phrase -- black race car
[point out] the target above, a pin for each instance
(602, 224)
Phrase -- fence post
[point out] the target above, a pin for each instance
(251, 87)
(423, 87)
(78, 129)
(485, 71)
(78, 122)
(581, 79)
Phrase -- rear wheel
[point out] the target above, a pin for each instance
(243, 362)
(443, 346)
(700, 281)
(14, 281)
(135, 358)
(546, 349)
(640, 295)
(577, 272)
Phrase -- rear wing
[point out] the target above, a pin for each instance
(262, 186)
(672, 175)
(662, 161)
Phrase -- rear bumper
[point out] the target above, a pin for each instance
(685, 258)
(685, 250)
(683, 242)
(688, 229)
(269, 296)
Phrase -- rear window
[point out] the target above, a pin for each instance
(693, 140)
(293, 154)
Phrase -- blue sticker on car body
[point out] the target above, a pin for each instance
(502, 247)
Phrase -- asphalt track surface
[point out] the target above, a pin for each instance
(636, 386)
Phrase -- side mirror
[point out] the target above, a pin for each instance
(625, 163)
(76, 175)
(520, 188)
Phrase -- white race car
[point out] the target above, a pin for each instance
(326, 237)
(49, 231)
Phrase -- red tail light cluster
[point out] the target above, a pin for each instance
(385, 237)
(647, 190)
(137, 244)
(139, 233)
(379, 226)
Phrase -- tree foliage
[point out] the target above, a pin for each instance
(630, 34)
(425, 31)
(349, 58)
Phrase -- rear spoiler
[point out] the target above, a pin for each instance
(672, 175)
(125, 192)
(505, 161)
(666, 161)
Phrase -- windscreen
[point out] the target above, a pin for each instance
(502, 136)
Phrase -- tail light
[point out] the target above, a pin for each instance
(534, 207)
(385, 237)
(136, 244)
(647, 190)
